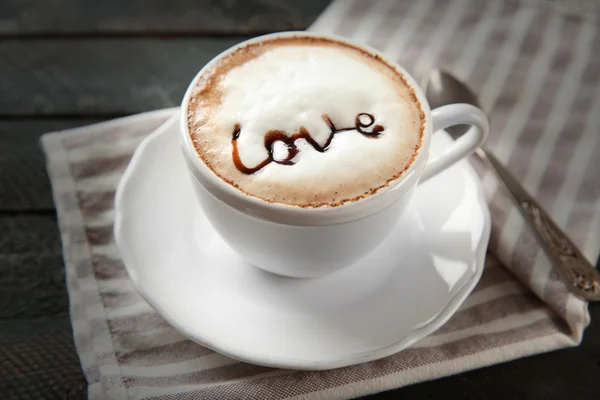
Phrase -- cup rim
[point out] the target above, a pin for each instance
(295, 215)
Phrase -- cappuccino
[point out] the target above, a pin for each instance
(305, 121)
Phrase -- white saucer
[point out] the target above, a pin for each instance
(406, 289)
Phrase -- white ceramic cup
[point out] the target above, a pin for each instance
(311, 242)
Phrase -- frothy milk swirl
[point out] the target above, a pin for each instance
(304, 121)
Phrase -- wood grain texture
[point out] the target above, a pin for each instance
(100, 77)
(76, 17)
(38, 359)
(24, 184)
(32, 274)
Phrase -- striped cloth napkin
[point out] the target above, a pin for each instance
(536, 67)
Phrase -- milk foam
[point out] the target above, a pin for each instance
(288, 85)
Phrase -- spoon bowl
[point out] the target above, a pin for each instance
(441, 88)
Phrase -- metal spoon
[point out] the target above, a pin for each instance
(441, 88)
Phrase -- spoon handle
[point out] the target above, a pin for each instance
(576, 271)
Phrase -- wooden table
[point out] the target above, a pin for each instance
(66, 63)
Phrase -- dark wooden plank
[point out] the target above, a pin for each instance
(32, 275)
(100, 77)
(27, 17)
(23, 179)
(38, 360)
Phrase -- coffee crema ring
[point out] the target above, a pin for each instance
(362, 121)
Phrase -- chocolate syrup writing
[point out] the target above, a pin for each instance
(362, 122)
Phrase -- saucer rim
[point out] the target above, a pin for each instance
(415, 335)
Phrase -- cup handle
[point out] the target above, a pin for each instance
(457, 114)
